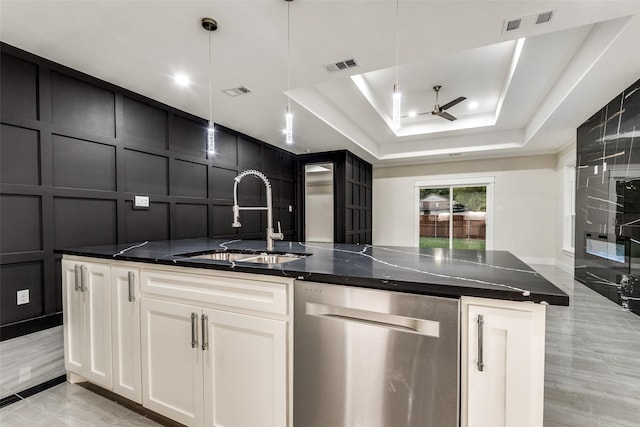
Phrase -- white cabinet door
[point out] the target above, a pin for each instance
(504, 365)
(245, 370)
(87, 318)
(97, 295)
(172, 361)
(125, 317)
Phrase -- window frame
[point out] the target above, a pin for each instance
(444, 181)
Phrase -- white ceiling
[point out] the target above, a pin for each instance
(534, 86)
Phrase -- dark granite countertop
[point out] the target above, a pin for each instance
(443, 272)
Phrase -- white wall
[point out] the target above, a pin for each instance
(318, 202)
(319, 212)
(526, 198)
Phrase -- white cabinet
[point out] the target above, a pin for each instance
(172, 361)
(502, 363)
(87, 320)
(209, 359)
(125, 332)
(245, 370)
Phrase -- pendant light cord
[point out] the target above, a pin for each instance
(210, 96)
(289, 54)
(397, 37)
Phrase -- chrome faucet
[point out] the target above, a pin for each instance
(271, 235)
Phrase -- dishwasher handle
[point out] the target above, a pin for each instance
(429, 328)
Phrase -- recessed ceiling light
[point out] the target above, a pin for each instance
(181, 79)
(412, 113)
(473, 105)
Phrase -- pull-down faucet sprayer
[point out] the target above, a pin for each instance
(271, 235)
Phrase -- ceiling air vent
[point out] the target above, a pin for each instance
(514, 24)
(237, 91)
(526, 21)
(544, 17)
(341, 65)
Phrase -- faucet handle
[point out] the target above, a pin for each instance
(278, 235)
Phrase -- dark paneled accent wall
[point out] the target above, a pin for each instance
(75, 151)
(352, 188)
(358, 209)
(607, 222)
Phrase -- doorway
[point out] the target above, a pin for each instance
(318, 202)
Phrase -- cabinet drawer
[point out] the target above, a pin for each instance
(258, 295)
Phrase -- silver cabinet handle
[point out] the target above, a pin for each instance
(131, 276)
(205, 332)
(194, 330)
(84, 272)
(78, 272)
(480, 342)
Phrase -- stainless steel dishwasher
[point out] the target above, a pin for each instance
(370, 358)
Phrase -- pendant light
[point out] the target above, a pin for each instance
(210, 25)
(397, 96)
(288, 115)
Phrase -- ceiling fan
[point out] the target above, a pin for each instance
(439, 110)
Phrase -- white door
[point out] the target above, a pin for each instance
(97, 323)
(125, 318)
(73, 317)
(172, 361)
(505, 367)
(245, 370)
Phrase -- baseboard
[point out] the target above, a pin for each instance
(567, 268)
(26, 327)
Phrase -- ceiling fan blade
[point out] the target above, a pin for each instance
(452, 103)
(444, 115)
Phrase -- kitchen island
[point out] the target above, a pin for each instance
(432, 271)
(201, 338)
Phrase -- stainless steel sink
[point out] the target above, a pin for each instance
(263, 258)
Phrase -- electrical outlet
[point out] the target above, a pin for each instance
(23, 296)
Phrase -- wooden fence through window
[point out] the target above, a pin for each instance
(463, 227)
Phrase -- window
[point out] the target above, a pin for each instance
(569, 210)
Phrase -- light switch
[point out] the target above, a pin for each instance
(290, 208)
(141, 202)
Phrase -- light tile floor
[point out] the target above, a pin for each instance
(592, 372)
(69, 405)
(30, 360)
(592, 359)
